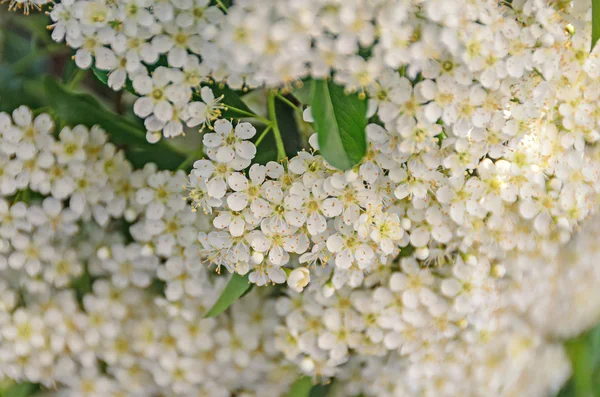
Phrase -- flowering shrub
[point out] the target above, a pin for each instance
(411, 188)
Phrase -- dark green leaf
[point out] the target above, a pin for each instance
(267, 150)
(157, 287)
(20, 390)
(595, 22)
(73, 109)
(231, 98)
(236, 287)
(248, 290)
(82, 285)
(406, 251)
(320, 390)
(36, 25)
(14, 47)
(301, 388)
(102, 75)
(69, 71)
(140, 155)
(303, 92)
(340, 121)
(582, 367)
(16, 91)
(584, 353)
(226, 3)
(286, 120)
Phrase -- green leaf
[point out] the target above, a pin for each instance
(303, 92)
(301, 387)
(286, 120)
(20, 390)
(320, 390)
(267, 151)
(102, 75)
(584, 354)
(82, 286)
(340, 121)
(140, 155)
(595, 22)
(16, 91)
(69, 71)
(36, 24)
(236, 287)
(73, 109)
(231, 99)
(582, 363)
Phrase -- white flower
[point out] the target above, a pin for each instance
(71, 144)
(203, 113)
(414, 283)
(311, 206)
(157, 94)
(246, 191)
(349, 250)
(298, 279)
(26, 332)
(228, 142)
(163, 191)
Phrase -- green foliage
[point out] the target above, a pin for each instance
(236, 287)
(24, 389)
(340, 121)
(267, 150)
(73, 108)
(303, 92)
(584, 353)
(301, 387)
(102, 75)
(235, 106)
(82, 285)
(231, 98)
(21, 64)
(595, 22)
(288, 126)
(304, 387)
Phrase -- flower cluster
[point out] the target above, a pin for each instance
(85, 243)
(168, 48)
(446, 263)
(478, 172)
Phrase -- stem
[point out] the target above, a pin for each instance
(189, 160)
(45, 109)
(262, 136)
(276, 132)
(191, 157)
(403, 70)
(288, 102)
(77, 77)
(22, 64)
(223, 6)
(247, 114)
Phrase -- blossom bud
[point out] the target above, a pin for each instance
(147, 250)
(471, 260)
(406, 223)
(298, 279)
(307, 365)
(498, 271)
(103, 253)
(328, 290)
(422, 253)
(129, 215)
